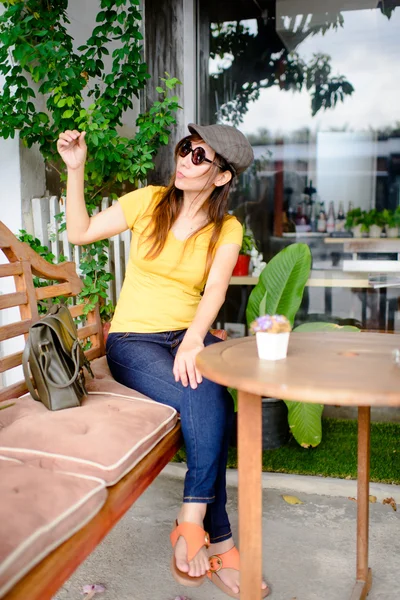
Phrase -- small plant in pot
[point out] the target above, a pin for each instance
(391, 219)
(243, 262)
(376, 222)
(356, 223)
(272, 336)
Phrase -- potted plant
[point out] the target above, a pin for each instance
(391, 219)
(272, 335)
(243, 261)
(376, 223)
(355, 222)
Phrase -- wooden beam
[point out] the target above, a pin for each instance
(51, 291)
(13, 391)
(10, 269)
(14, 329)
(14, 299)
(10, 361)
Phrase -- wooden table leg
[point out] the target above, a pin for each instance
(250, 494)
(364, 574)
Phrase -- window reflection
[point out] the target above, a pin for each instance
(315, 87)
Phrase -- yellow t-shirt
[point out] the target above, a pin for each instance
(162, 294)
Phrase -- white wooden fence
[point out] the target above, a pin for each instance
(46, 229)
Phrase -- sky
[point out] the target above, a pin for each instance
(367, 52)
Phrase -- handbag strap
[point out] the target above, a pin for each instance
(27, 375)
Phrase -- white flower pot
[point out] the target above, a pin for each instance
(392, 232)
(375, 231)
(357, 231)
(272, 346)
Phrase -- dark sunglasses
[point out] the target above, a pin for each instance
(198, 154)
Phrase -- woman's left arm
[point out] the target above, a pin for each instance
(213, 298)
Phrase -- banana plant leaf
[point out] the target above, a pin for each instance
(281, 284)
(305, 419)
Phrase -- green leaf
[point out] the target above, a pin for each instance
(305, 422)
(284, 279)
(67, 114)
(304, 417)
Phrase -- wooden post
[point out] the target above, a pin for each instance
(364, 575)
(250, 494)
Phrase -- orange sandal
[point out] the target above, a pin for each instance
(227, 560)
(195, 538)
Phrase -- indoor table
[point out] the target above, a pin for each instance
(340, 368)
(328, 279)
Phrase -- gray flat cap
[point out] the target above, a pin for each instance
(228, 142)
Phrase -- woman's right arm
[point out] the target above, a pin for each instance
(81, 228)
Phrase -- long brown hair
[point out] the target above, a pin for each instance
(170, 204)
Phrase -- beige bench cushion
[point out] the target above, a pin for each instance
(40, 509)
(103, 381)
(105, 437)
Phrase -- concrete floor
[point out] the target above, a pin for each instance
(309, 549)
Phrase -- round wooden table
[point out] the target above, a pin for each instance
(349, 369)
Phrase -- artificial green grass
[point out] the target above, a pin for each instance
(336, 456)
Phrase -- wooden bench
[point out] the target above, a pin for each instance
(42, 581)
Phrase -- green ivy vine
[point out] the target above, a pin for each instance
(81, 89)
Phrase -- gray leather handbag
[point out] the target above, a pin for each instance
(54, 359)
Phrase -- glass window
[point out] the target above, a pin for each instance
(315, 86)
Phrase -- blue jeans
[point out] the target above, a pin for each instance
(144, 362)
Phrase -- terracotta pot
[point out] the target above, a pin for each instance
(242, 266)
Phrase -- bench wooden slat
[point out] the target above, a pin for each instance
(14, 299)
(94, 352)
(77, 310)
(43, 581)
(11, 269)
(86, 331)
(10, 361)
(13, 391)
(15, 329)
(51, 291)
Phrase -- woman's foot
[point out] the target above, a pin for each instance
(230, 577)
(191, 513)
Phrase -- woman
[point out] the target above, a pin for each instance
(184, 247)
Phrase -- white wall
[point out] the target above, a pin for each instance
(11, 215)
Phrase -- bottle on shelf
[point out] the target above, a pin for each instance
(288, 225)
(309, 193)
(321, 225)
(300, 216)
(340, 219)
(314, 216)
(330, 221)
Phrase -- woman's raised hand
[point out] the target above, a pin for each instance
(72, 148)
